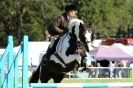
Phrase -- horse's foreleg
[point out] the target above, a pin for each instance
(57, 77)
(45, 74)
(35, 76)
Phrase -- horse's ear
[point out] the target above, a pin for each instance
(84, 26)
(80, 26)
(73, 29)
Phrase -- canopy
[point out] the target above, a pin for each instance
(113, 52)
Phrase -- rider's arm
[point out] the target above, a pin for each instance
(56, 25)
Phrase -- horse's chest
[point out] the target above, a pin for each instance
(67, 59)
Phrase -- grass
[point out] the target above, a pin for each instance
(95, 80)
(91, 80)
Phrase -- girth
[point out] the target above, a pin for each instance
(59, 58)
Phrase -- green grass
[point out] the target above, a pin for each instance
(91, 80)
(101, 80)
(95, 80)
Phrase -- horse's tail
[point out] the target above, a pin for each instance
(35, 75)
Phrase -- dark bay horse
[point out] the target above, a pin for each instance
(69, 51)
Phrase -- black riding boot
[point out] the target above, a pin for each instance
(46, 56)
(50, 50)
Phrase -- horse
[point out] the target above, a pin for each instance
(67, 54)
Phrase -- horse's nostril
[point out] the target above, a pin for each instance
(78, 43)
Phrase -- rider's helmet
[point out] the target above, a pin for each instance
(70, 7)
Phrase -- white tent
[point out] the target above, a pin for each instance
(128, 49)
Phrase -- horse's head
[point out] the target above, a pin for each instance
(77, 29)
(75, 26)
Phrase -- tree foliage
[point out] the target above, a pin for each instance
(108, 18)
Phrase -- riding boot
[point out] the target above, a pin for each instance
(48, 54)
(51, 49)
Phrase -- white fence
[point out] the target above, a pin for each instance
(103, 72)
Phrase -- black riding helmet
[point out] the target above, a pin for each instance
(70, 7)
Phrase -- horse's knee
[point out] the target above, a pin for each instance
(45, 75)
(44, 78)
(58, 78)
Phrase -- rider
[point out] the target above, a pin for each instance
(59, 26)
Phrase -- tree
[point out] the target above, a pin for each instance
(31, 17)
(105, 15)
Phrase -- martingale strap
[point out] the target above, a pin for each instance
(59, 58)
